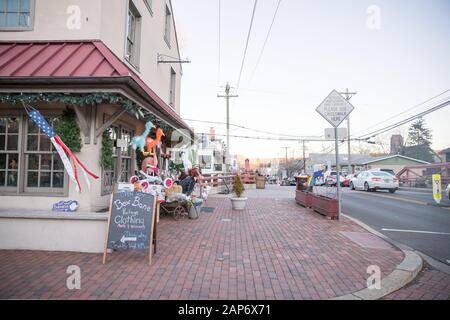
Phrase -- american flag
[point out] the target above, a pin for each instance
(63, 151)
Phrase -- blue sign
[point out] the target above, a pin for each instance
(65, 206)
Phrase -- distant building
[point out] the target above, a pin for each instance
(395, 162)
(211, 155)
(326, 161)
(442, 156)
(396, 143)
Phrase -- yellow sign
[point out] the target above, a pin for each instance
(437, 189)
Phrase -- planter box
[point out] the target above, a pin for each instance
(260, 182)
(327, 206)
(304, 198)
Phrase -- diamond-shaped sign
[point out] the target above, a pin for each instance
(335, 108)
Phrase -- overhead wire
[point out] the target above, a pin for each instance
(246, 44)
(266, 40)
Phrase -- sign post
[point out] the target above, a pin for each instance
(335, 109)
(437, 188)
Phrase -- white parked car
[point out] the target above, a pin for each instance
(447, 191)
(374, 180)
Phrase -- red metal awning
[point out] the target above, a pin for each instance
(71, 60)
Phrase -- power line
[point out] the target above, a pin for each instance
(246, 44)
(265, 41)
(251, 129)
(219, 43)
(278, 139)
(403, 112)
(400, 123)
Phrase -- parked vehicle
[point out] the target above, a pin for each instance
(375, 180)
(348, 179)
(390, 171)
(447, 191)
(331, 179)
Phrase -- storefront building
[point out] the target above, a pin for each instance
(114, 63)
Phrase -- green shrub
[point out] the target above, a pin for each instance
(238, 187)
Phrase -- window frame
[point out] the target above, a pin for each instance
(28, 27)
(133, 58)
(26, 155)
(149, 5)
(172, 88)
(168, 26)
(20, 189)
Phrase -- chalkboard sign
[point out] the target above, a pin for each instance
(131, 222)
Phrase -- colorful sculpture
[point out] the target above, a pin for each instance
(139, 141)
(152, 143)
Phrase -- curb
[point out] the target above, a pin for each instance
(421, 190)
(404, 273)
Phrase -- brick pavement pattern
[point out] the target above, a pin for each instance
(274, 249)
(430, 284)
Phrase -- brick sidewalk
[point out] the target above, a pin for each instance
(430, 284)
(273, 250)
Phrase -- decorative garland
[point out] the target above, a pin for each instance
(88, 99)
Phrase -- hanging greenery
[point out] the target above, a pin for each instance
(88, 99)
(68, 130)
(73, 99)
(106, 157)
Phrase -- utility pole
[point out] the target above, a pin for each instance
(286, 163)
(227, 97)
(348, 96)
(304, 159)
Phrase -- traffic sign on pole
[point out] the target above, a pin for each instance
(335, 108)
(437, 188)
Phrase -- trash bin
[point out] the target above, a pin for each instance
(260, 182)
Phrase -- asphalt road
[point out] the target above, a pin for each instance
(410, 218)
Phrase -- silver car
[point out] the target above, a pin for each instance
(447, 191)
(375, 180)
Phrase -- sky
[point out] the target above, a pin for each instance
(394, 54)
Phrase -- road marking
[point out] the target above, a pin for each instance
(415, 231)
(396, 198)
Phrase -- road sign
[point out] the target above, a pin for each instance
(342, 133)
(335, 108)
(437, 188)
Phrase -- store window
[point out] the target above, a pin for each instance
(44, 169)
(133, 35)
(123, 158)
(126, 155)
(16, 14)
(9, 153)
(28, 161)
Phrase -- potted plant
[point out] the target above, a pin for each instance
(238, 202)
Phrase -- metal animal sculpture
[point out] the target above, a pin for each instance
(152, 143)
(139, 141)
